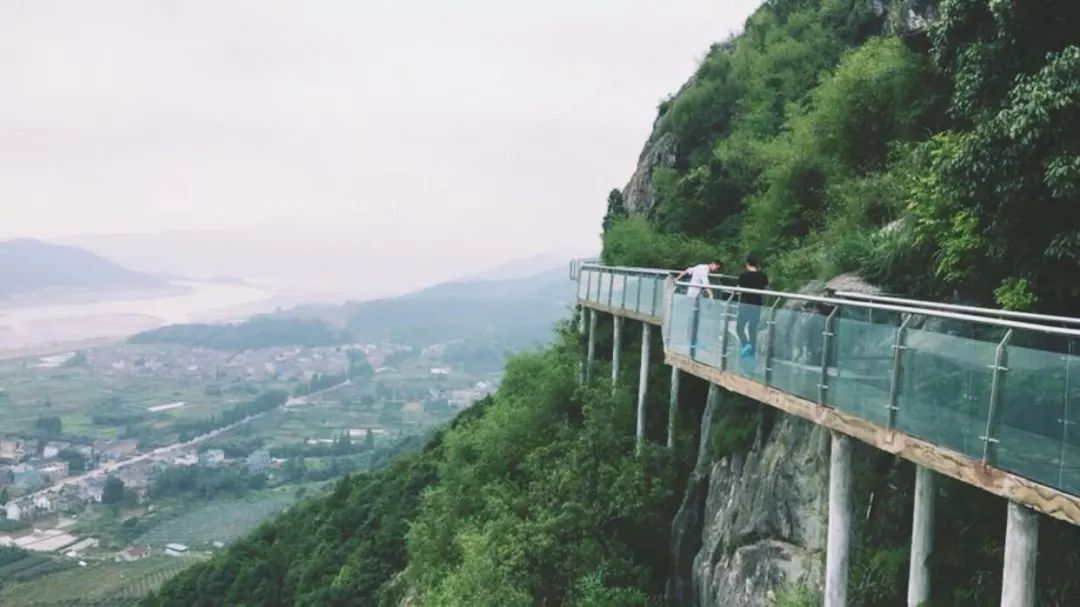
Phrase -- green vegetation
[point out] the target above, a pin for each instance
(259, 332)
(102, 583)
(219, 521)
(266, 401)
(17, 565)
(826, 143)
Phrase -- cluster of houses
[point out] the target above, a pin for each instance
(35, 472)
(26, 480)
(202, 364)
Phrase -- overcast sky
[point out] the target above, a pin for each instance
(455, 130)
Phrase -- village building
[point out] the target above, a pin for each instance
(258, 461)
(211, 457)
(176, 550)
(132, 553)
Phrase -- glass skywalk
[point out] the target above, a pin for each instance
(1002, 391)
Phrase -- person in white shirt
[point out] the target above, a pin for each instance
(699, 277)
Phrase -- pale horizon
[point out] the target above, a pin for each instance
(468, 133)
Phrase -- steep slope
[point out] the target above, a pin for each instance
(28, 266)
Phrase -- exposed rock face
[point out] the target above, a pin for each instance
(765, 518)
(659, 151)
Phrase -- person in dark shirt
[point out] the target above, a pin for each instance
(750, 305)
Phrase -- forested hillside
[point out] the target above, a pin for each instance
(931, 148)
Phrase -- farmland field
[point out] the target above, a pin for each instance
(101, 583)
(95, 400)
(219, 521)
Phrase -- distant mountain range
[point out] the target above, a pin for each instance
(30, 266)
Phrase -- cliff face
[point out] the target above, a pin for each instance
(765, 518)
(659, 151)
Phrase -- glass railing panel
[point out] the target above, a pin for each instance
(746, 355)
(1070, 455)
(1032, 433)
(679, 337)
(862, 353)
(618, 291)
(632, 286)
(583, 284)
(796, 352)
(604, 287)
(709, 330)
(649, 297)
(944, 393)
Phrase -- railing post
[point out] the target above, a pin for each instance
(637, 304)
(658, 288)
(770, 332)
(694, 318)
(622, 303)
(724, 332)
(990, 440)
(588, 285)
(827, 336)
(1063, 453)
(897, 371)
(610, 287)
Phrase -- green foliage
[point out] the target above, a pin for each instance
(616, 208)
(795, 595)
(113, 492)
(49, 426)
(76, 461)
(734, 427)
(539, 494)
(1015, 294)
(340, 549)
(634, 242)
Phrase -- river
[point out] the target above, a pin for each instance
(34, 329)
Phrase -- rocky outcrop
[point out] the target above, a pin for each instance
(765, 518)
(659, 150)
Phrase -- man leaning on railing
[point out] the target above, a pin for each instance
(699, 278)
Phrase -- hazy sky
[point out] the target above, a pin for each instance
(418, 128)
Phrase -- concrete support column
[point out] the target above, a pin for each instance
(643, 381)
(838, 552)
(591, 353)
(673, 408)
(1021, 551)
(582, 314)
(922, 538)
(616, 350)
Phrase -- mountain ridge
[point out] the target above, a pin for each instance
(29, 266)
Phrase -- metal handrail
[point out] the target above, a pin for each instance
(997, 322)
(636, 270)
(959, 308)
